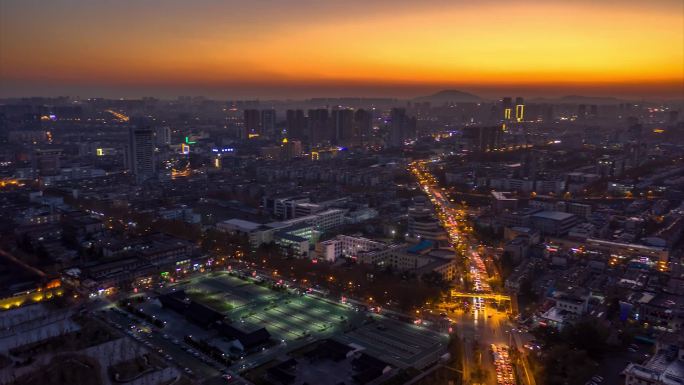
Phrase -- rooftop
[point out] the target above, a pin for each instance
(247, 225)
(659, 368)
(422, 246)
(553, 215)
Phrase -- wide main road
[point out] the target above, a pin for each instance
(480, 325)
(449, 216)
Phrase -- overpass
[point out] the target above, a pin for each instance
(496, 297)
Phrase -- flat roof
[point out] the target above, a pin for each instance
(248, 225)
(277, 225)
(554, 215)
(522, 229)
(503, 196)
(308, 204)
(423, 245)
(623, 244)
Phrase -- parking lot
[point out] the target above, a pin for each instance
(293, 319)
(287, 316)
(171, 349)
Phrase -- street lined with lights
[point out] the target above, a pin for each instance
(481, 324)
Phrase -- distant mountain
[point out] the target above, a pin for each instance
(591, 99)
(449, 96)
(579, 99)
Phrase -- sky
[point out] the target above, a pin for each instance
(307, 48)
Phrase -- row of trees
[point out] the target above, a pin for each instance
(572, 355)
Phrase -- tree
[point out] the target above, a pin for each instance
(587, 336)
(526, 291)
(506, 265)
(564, 365)
(570, 355)
(455, 349)
(433, 279)
(613, 308)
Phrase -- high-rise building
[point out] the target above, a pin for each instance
(319, 127)
(290, 149)
(234, 121)
(46, 161)
(402, 127)
(162, 136)
(507, 108)
(593, 111)
(252, 118)
(363, 120)
(296, 124)
(581, 111)
(519, 109)
(140, 153)
(268, 122)
(481, 139)
(343, 127)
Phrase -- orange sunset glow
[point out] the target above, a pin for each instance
(627, 46)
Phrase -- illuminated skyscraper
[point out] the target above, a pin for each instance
(507, 108)
(519, 109)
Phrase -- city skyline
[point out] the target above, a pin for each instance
(310, 49)
(329, 192)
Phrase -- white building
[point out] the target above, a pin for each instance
(666, 367)
(182, 213)
(360, 215)
(345, 245)
(322, 221)
(260, 234)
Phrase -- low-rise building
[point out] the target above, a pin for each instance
(666, 367)
(346, 245)
(503, 201)
(553, 222)
(38, 216)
